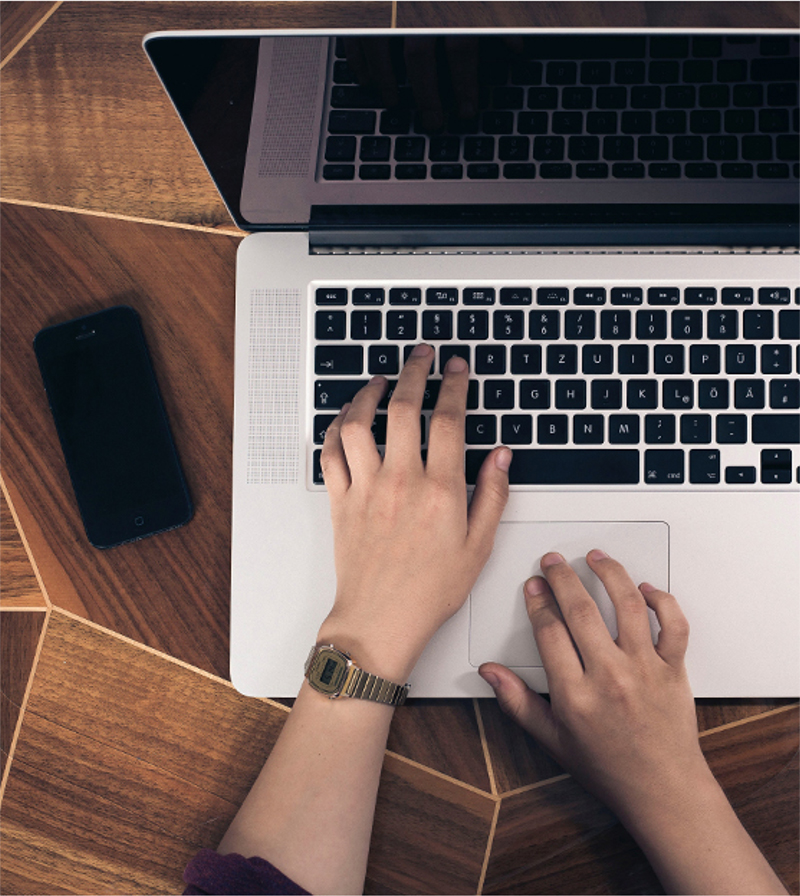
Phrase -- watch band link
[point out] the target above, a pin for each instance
(364, 685)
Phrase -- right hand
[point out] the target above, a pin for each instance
(622, 718)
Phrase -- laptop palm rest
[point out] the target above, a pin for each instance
(499, 627)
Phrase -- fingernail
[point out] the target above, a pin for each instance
(503, 459)
(456, 364)
(346, 407)
(646, 588)
(598, 555)
(491, 679)
(535, 585)
(421, 350)
(551, 559)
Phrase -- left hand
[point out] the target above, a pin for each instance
(407, 546)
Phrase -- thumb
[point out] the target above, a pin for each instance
(490, 496)
(523, 705)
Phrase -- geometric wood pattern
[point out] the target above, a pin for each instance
(124, 747)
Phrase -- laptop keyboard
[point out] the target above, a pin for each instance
(615, 106)
(590, 385)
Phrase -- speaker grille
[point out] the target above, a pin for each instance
(273, 387)
(291, 108)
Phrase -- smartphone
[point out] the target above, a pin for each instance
(113, 428)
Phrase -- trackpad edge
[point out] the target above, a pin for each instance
(499, 628)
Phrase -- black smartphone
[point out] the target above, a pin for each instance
(112, 426)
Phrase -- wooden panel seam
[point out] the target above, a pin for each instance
(485, 746)
(24, 704)
(30, 34)
(224, 229)
(26, 545)
(489, 844)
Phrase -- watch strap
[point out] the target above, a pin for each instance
(365, 686)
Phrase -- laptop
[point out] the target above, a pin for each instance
(605, 224)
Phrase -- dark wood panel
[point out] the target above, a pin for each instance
(559, 839)
(86, 123)
(18, 21)
(19, 637)
(442, 735)
(595, 15)
(19, 586)
(170, 591)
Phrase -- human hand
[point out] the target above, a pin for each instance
(407, 547)
(622, 717)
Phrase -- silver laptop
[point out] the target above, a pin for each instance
(605, 224)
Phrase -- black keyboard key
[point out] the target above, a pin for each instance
(774, 295)
(383, 359)
(368, 296)
(784, 394)
(405, 296)
(749, 394)
(704, 466)
(339, 360)
(330, 324)
(526, 359)
(758, 324)
(516, 429)
(570, 394)
(374, 172)
(441, 295)
(565, 466)
(508, 325)
(723, 324)
(562, 359)
(473, 325)
(483, 171)
(340, 149)
(548, 149)
(552, 429)
(519, 171)
(498, 394)
(321, 424)
(534, 394)
(668, 359)
(516, 295)
(664, 466)
(626, 295)
(583, 295)
(623, 429)
(651, 325)
(351, 122)
(478, 296)
(615, 324)
(776, 465)
(437, 325)
(678, 394)
(544, 324)
(447, 172)
(579, 325)
(740, 475)
(550, 295)
(597, 359)
(331, 296)
(731, 429)
(338, 172)
(480, 429)
(659, 429)
(776, 359)
(695, 429)
(410, 172)
(704, 359)
(687, 325)
(642, 394)
(776, 429)
(700, 295)
(789, 324)
(633, 359)
(365, 325)
(491, 359)
(713, 394)
(588, 429)
(446, 352)
(740, 359)
(334, 394)
(401, 325)
(663, 295)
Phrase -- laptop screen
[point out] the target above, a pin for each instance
(548, 137)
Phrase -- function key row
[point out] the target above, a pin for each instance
(557, 295)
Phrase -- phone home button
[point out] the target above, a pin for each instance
(138, 521)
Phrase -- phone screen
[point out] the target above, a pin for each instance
(112, 426)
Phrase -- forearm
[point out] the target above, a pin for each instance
(310, 811)
(696, 844)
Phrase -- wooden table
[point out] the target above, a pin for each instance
(124, 747)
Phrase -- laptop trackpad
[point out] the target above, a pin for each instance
(499, 628)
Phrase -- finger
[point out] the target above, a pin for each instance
(488, 500)
(420, 55)
(403, 435)
(446, 432)
(381, 74)
(673, 638)
(524, 706)
(355, 430)
(580, 612)
(333, 463)
(560, 657)
(633, 622)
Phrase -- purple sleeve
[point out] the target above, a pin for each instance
(233, 875)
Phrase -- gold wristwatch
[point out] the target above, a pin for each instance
(333, 673)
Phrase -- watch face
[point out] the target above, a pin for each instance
(328, 671)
